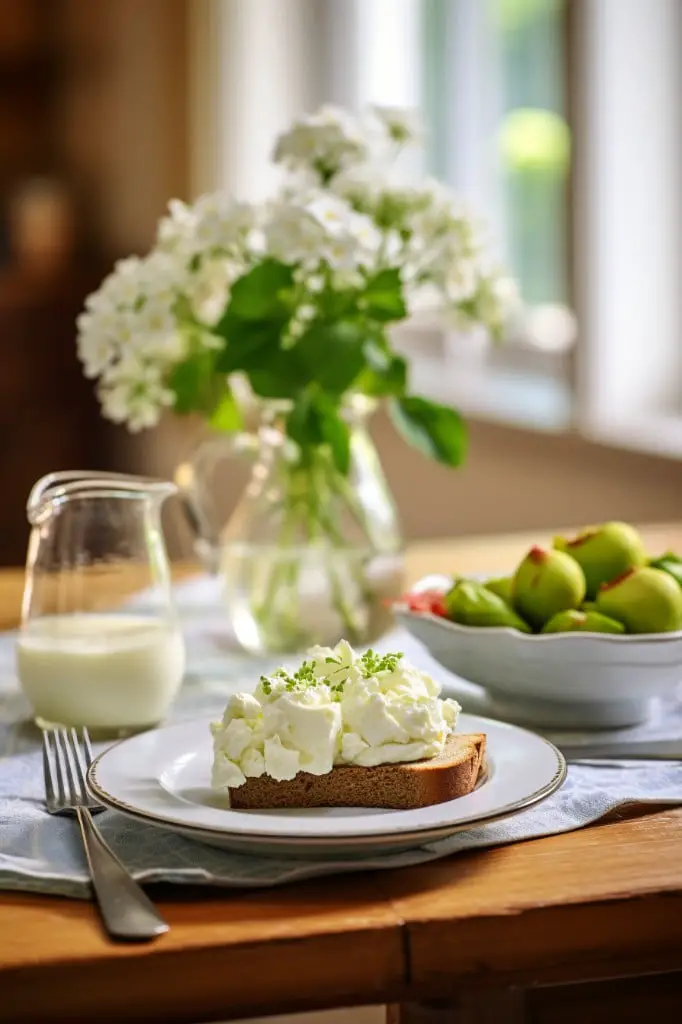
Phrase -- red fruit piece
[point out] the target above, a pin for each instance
(618, 579)
(430, 601)
(538, 555)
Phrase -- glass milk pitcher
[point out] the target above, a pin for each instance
(100, 644)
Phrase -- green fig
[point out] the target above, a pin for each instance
(604, 552)
(644, 600)
(472, 604)
(547, 582)
(502, 587)
(573, 621)
(670, 563)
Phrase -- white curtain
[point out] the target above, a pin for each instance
(256, 64)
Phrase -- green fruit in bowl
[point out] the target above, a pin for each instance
(670, 563)
(547, 582)
(472, 604)
(604, 552)
(502, 587)
(576, 621)
(644, 600)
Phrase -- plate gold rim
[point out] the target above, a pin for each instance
(375, 838)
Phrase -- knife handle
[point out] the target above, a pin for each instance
(633, 750)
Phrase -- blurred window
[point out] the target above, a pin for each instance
(587, 208)
(489, 77)
(561, 121)
(494, 102)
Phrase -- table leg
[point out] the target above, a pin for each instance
(496, 1006)
(628, 1000)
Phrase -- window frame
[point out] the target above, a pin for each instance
(629, 362)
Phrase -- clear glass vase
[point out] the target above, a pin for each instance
(307, 555)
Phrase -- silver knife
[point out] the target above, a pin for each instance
(623, 750)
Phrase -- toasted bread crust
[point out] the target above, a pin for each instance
(452, 774)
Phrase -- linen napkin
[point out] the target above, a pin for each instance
(41, 853)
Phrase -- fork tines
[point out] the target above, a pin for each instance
(66, 758)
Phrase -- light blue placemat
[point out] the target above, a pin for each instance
(41, 853)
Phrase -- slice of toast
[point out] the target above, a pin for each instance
(405, 786)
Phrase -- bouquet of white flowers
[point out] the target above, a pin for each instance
(296, 296)
(295, 293)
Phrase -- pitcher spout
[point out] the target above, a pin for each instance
(55, 488)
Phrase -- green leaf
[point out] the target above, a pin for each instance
(383, 297)
(332, 354)
(193, 382)
(385, 374)
(668, 556)
(336, 433)
(248, 343)
(262, 293)
(256, 315)
(433, 429)
(334, 305)
(316, 420)
(277, 373)
(226, 415)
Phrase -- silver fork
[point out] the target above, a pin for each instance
(126, 910)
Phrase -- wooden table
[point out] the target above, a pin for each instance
(485, 937)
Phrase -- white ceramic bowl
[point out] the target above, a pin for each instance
(561, 680)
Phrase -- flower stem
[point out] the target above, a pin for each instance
(309, 506)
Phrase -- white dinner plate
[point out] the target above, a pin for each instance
(163, 777)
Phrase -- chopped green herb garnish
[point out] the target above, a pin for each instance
(370, 664)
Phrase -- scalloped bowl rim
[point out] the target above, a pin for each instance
(534, 638)
(432, 581)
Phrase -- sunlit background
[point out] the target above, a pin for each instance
(559, 120)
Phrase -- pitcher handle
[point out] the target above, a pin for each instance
(195, 499)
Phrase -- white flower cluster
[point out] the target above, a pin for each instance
(130, 337)
(337, 220)
(215, 226)
(438, 245)
(319, 229)
(324, 142)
